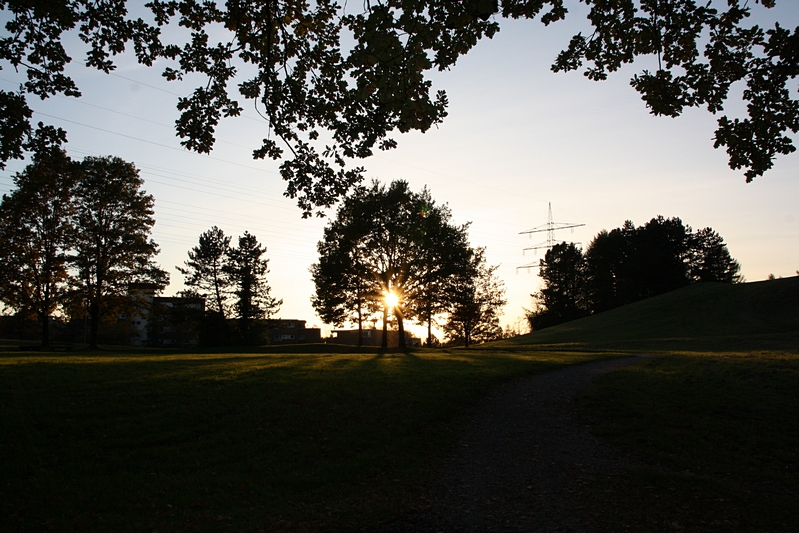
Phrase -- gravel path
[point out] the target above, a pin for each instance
(519, 465)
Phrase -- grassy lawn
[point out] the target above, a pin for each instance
(335, 441)
(712, 424)
(234, 442)
(715, 438)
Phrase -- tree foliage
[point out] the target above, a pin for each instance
(711, 260)
(477, 301)
(246, 269)
(628, 264)
(205, 269)
(36, 235)
(444, 255)
(113, 248)
(562, 297)
(75, 236)
(343, 290)
(334, 81)
(387, 240)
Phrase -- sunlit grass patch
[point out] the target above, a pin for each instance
(234, 441)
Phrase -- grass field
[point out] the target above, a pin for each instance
(234, 442)
(705, 317)
(714, 438)
(325, 440)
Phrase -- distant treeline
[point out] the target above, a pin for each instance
(625, 265)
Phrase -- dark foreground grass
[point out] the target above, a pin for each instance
(714, 439)
(234, 442)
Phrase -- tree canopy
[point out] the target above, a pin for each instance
(205, 269)
(334, 81)
(562, 298)
(246, 269)
(388, 240)
(476, 304)
(113, 250)
(76, 237)
(628, 264)
(36, 236)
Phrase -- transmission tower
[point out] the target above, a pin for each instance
(550, 228)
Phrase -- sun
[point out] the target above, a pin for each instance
(391, 299)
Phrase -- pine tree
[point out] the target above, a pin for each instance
(205, 271)
(247, 269)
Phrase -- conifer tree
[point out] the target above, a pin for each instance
(205, 270)
(246, 269)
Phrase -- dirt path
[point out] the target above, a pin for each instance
(523, 459)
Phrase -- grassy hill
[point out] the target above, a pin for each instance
(760, 315)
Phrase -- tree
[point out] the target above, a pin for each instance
(247, 270)
(710, 260)
(345, 290)
(352, 76)
(628, 263)
(36, 235)
(477, 303)
(383, 242)
(205, 269)
(113, 249)
(563, 296)
(659, 257)
(444, 254)
(605, 262)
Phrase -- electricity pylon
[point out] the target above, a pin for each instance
(550, 227)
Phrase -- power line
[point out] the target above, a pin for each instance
(154, 143)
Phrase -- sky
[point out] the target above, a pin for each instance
(518, 138)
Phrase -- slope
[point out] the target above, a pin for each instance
(760, 315)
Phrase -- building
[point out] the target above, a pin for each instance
(290, 331)
(372, 337)
(163, 321)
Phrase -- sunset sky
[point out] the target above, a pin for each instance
(517, 137)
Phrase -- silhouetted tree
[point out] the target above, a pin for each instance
(113, 249)
(344, 288)
(204, 270)
(659, 257)
(562, 298)
(379, 243)
(444, 255)
(329, 102)
(477, 303)
(36, 234)
(710, 260)
(628, 263)
(247, 270)
(606, 266)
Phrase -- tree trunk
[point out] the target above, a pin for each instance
(44, 319)
(218, 291)
(384, 340)
(360, 324)
(429, 326)
(94, 315)
(466, 334)
(400, 327)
